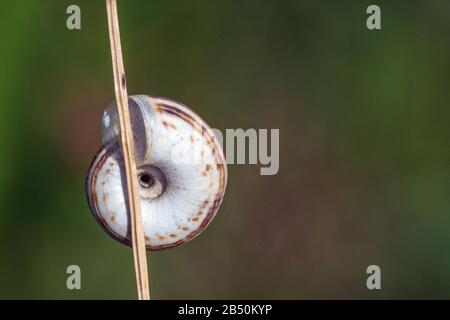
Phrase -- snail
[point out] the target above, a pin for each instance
(182, 173)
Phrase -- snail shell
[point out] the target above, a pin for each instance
(181, 170)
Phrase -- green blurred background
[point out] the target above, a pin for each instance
(364, 146)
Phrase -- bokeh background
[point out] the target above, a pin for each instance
(364, 156)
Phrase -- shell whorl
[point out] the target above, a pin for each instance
(182, 173)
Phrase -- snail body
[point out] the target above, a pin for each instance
(181, 169)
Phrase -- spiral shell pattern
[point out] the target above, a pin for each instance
(182, 173)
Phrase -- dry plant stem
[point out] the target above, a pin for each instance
(126, 137)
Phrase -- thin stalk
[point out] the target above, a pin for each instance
(126, 138)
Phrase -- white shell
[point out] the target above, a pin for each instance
(181, 168)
